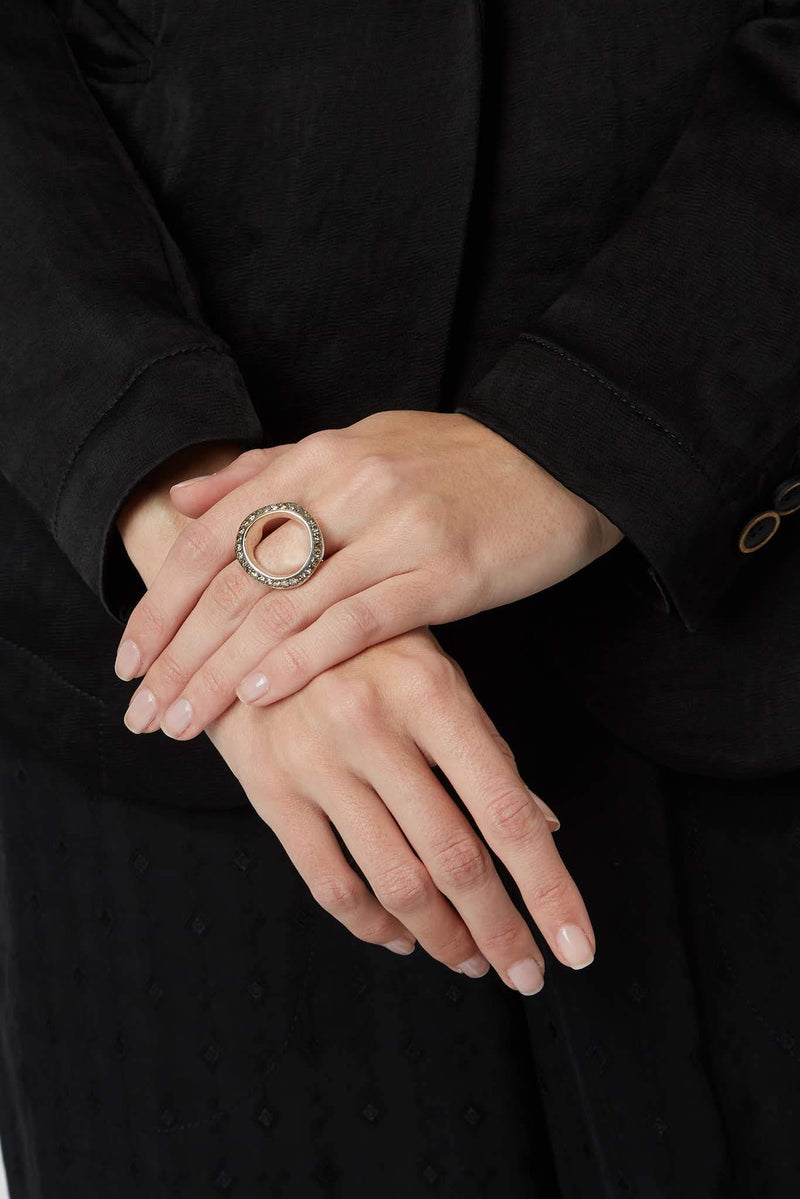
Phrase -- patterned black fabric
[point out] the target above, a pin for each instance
(180, 1019)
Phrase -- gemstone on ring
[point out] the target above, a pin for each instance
(258, 518)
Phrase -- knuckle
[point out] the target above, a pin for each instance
(195, 544)
(375, 467)
(429, 511)
(357, 618)
(404, 888)
(277, 615)
(430, 679)
(170, 670)
(256, 456)
(510, 811)
(228, 593)
(214, 684)
(354, 703)
(503, 937)
(293, 661)
(150, 620)
(321, 442)
(552, 893)
(337, 894)
(462, 863)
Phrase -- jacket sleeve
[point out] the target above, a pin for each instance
(107, 366)
(663, 385)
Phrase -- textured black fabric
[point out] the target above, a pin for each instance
(224, 222)
(231, 220)
(181, 1019)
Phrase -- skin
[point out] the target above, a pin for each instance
(428, 517)
(353, 747)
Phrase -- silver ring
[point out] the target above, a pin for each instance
(252, 524)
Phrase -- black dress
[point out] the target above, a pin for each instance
(224, 220)
(180, 1019)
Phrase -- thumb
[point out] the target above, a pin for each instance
(195, 496)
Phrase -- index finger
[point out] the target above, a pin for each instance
(201, 550)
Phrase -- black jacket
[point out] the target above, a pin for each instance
(579, 223)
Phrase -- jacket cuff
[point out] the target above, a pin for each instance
(183, 398)
(600, 444)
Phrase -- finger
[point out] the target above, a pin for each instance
(305, 832)
(197, 697)
(199, 552)
(194, 496)
(222, 608)
(400, 881)
(512, 824)
(454, 862)
(340, 631)
(506, 749)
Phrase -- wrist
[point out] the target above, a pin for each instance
(147, 521)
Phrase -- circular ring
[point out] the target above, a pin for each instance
(255, 521)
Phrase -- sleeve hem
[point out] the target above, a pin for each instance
(598, 443)
(191, 395)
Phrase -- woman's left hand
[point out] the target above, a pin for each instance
(427, 517)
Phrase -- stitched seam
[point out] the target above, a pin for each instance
(109, 408)
(615, 391)
(126, 37)
(78, 690)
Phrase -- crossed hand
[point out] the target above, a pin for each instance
(427, 517)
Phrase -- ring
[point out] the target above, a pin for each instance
(255, 521)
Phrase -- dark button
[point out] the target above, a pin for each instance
(758, 531)
(787, 495)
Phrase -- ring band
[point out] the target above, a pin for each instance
(254, 521)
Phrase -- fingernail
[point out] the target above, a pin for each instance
(574, 945)
(188, 482)
(549, 814)
(253, 687)
(526, 976)
(128, 660)
(177, 717)
(475, 967)
(141, 711)
(400, 946)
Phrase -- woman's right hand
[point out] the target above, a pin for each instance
(354, 748)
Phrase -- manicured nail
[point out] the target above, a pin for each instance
(253, 687)
(177, 717)
(188, 482)
(141, 711)
(475, 967)
(400, 946)
(128, 660)
(574, 945)
(526, 976)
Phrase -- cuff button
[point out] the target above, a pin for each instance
(787, 496)
(758, 531)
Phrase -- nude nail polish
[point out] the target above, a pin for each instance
(141, 711)
(574, 946)
(400, 946)
(128, 660)
(253, 687)
(475, 967)
(177, 717)
(188, 482)
(526, 976)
